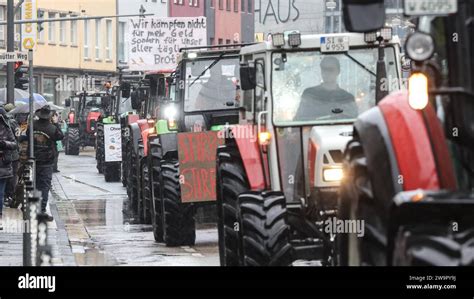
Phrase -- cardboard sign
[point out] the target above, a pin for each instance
(113, 143)
(197, 165)
(155, 43)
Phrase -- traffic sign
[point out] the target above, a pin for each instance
(13, 57)
(29, 31)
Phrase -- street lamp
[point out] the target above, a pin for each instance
(331, 5)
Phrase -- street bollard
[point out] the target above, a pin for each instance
(43, 256)
(33, 204)
(28, 192)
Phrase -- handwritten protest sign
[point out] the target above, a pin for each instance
(155, 43)
(197, 165)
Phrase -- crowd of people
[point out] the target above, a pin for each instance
(14, 145)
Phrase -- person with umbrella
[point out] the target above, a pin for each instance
(12, 182)
(45, 136)
(8, 144)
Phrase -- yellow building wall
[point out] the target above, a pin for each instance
(67, 55)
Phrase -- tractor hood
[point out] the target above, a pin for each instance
(325, 154)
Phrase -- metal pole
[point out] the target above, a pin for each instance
(32, 113)
(10, 48)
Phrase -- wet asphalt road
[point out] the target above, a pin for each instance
(100, 229)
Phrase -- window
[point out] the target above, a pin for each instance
(221, 41)
(97, 39)
(121, 42)
(62, 30)
(250, 6)
(108, 46)
(86, 39)
(236, 5)
(74, 32)
(227, 5)
(49, 89)
(227, 41)
(212, 3)
(211, 41)
(52, 28)
(221, 4)
(243, 6)
(2, 28)
(40, 27)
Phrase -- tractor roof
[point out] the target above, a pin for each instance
(312, 41)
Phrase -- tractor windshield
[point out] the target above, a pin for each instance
(314, 88)
(211, 85)
(93, 102)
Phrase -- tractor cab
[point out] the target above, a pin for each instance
(301, 95)
(207, 89)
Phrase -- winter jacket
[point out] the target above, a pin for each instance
(45, 135)
(8, 144)
(16, 131)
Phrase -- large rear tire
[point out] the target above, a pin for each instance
(433, 245)
(179, 228)
(231, 180)
(357, 204)
(154, 159)
(73, 141)
(112, 172)
(132, 183)
(146, 192)
(265, 233)
(100, 150)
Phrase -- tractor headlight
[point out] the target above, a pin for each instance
(171, 112)
(278, 40)
(420, 46)
(333, 174)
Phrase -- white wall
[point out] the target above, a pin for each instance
(307, 16)
(157, 7)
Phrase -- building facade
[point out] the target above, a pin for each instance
(74, 55)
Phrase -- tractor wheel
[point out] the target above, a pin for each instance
(231, 180)
(179, 228)
(154, 159)
(356, 204)
(73, 141)
(433, 245)
(132, 184)
(265, 233)
(124, 159)
(112, 172)
(99, 154)
(146, 193)
(138, 171)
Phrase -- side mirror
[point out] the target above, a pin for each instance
(136, 100)
(356, 14)
(67, 102)
(125, 90)
(248, 78)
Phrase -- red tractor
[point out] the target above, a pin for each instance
(85, 111)
(279, 171)
(409, 166)
(147, 96)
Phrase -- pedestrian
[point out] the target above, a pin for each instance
(7, 145)
(45, 135)
(12, 182)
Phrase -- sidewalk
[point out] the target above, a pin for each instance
(11, 238)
